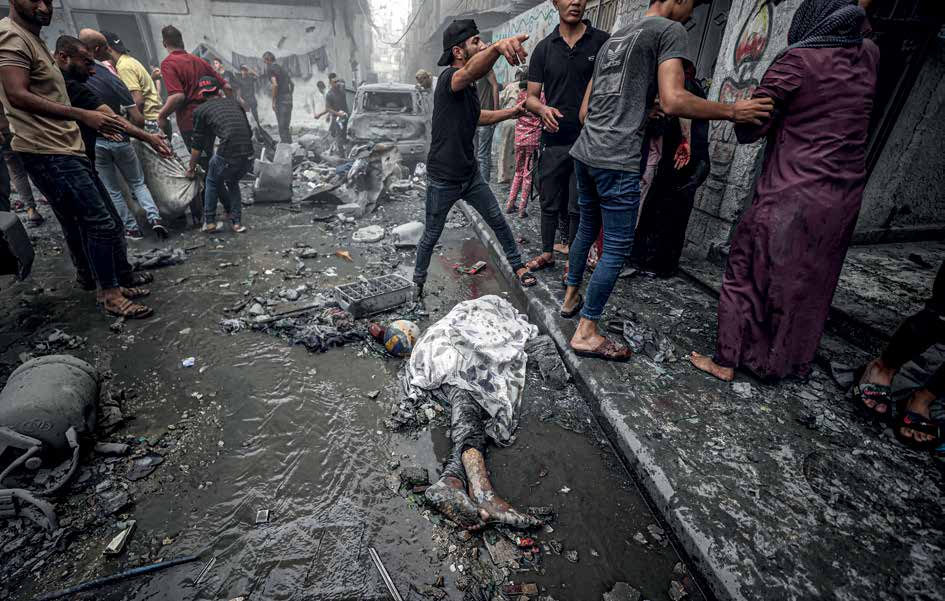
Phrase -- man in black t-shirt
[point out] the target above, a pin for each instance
(282, 88)
(452, 166)
(561, 67)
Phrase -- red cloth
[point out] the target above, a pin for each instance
(528, 126)
(181, 72)
(788, 248)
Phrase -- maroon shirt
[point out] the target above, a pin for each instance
(181, 72)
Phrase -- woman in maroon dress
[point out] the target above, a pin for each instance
(789, 247)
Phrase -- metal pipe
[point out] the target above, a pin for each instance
(383, 572)
(154, 567)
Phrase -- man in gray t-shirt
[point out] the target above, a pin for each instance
(637, 63)
(625, 84)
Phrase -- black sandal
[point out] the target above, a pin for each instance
(573, 312)
(527, 279)
(138, 279)
(878, 393)
(917, 423)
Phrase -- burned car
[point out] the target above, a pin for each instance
(392, 112)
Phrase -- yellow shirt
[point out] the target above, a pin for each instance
(138, 79)
(32, 133)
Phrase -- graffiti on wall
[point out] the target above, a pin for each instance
(750, 47)
(537, 22)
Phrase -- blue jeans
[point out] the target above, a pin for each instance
(114, 160)
(484, 150)
(441, 196)
(612, 198)
(84, 211)
(223, 184)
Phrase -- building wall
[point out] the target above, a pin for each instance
(248, 29)
(907, 190)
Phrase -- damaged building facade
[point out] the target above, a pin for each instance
(733, 42)
(311, 38)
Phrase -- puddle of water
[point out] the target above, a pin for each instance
(282, 429)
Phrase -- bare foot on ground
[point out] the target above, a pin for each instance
(494, 510)
(706, 364)
(449, 497)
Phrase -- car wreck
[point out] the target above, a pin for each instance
(392, 113)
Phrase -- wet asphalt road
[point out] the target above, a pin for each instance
(259, 424)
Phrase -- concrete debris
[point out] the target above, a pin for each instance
(111, 449)
(143, 467)
(274, 178)
(677, 591)
(369, 234)
(120, 541)
(156, 258)
(571, 556)
(408, 234)
(414, 476)
(743, 389)
(111, 502)
(623, 592)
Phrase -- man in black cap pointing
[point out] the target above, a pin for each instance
(452, 168)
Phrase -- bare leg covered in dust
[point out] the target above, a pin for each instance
(466, 471)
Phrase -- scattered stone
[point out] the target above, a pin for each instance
(572, 556)
(623, 592)
(113, 449)
(543, 351)
(112, 501)
(680, 570)
(414, 476)
(743, 389)
(640, 539)
(657, 533)
(369, 234)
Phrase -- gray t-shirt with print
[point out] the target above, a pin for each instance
(625, 84)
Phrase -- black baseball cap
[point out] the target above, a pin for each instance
(458, 32)
(207, 85)
(114, 41)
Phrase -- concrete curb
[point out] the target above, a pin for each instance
(538, 301)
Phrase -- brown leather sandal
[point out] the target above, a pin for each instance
(133, 293)
(539, 263)
(608, 351)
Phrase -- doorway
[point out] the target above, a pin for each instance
(133, 29)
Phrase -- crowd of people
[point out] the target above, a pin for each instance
(76, 119)
(606, 121)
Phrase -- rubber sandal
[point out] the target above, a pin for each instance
(878, 393)
(608, 351)
(510, 208)
(130, 310)
(917, 423)
(139, 278)
(577, 309)
(539, 263)
(527, 279)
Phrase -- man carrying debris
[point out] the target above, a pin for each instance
(452, 167)
(282, 89)
(223, 118)
(474, 359)
(136, 78)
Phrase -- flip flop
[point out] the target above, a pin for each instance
(577, 309)
(527, 279)
(878, 393)
(608, 351)
(917, 423)
(539, 263)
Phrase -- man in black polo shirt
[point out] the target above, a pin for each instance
(223, 118)
(452, 169)
(561, 67)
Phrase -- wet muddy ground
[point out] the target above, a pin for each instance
(259, 424)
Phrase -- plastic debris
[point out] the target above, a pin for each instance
(262, 517)
(98, 582)
(743, 389)
(343, 254)
(118, 544)
(623, 592)
(408, 234)
(472, 269)
(143, 467)
(375, 295)
(189, 362)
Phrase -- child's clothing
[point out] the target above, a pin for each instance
(527, 137)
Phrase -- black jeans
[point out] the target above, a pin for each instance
(557, 190)
(284, 119)
(467, 430)
(441, 196)
(88, 218)
(917, 333)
